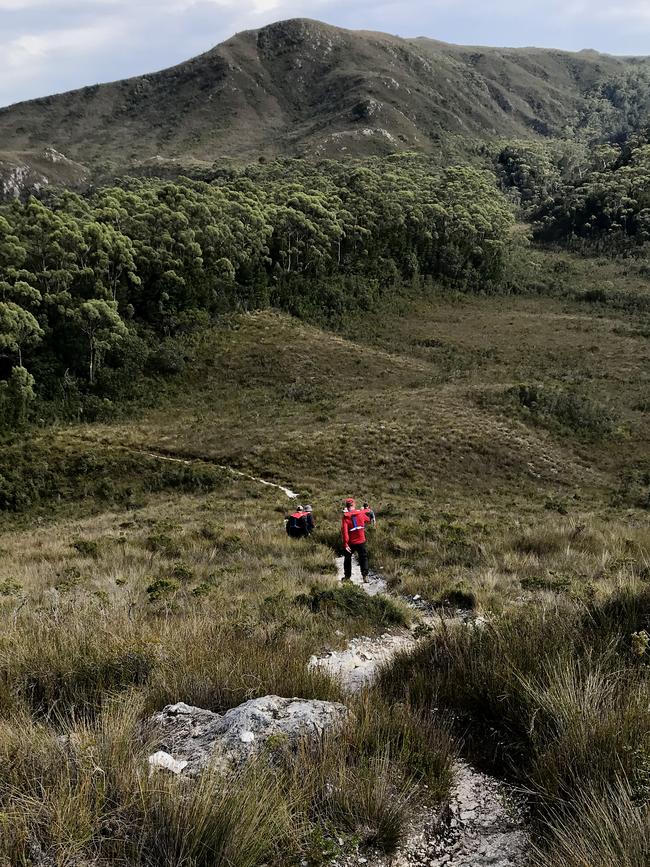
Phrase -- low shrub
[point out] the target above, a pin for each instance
(162, 542)
(87, 548)
(564, 409)
(182, 572)
(9, 587)
(353, 602)
(162, 588)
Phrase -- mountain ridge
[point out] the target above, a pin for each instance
(307, 89)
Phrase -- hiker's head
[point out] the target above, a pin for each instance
(366, 506)
(308, 509)
(300, 509)
(350, 503)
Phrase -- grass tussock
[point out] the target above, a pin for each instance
(220, 822)
(84, 793)
(604, 828)
(562, 704)
(65, 664)
(354, 602)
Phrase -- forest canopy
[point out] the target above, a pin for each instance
(91, 286)
(593, 200)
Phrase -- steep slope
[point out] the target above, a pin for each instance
(304, 88)
(37, 169)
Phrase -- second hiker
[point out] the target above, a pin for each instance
(300, 523)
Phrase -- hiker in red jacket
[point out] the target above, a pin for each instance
(353, 533)
(296, 524)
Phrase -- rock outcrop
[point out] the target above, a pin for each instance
(31, 171)
(189, 739)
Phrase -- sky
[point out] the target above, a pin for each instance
(49, 46)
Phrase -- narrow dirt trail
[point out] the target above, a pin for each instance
(287, 491)
(485, 822)
(357, 665)
(176, 459)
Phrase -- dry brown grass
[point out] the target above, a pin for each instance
(176, 596)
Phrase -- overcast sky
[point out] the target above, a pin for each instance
(47, 46)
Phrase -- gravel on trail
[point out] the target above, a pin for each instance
(485, 820)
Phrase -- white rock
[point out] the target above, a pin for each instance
(200, 737)
(163, 761)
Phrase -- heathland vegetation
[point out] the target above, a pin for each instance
(467, 346)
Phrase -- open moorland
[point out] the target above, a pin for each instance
(144, 572)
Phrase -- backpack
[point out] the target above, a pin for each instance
(296, 525)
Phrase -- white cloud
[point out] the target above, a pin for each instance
(18, 5)
(35, 48)
(31, 57)
(631, 13)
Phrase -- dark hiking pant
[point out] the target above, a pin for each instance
(362, 554)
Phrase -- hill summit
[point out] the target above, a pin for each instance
(304, 88)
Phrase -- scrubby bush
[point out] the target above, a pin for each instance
(353, 602)
(87, 548)
(182, 572)
(564, 409)
(162, 588)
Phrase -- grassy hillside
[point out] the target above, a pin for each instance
(427, 391)
(147, 580)
(304, 88)
(429, 408)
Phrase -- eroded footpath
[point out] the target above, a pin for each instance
(485, 821)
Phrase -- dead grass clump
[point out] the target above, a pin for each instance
(601, 829)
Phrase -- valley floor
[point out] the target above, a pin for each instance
(503, 443)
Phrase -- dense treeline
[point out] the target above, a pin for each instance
(92, 287)
(608, 210)
(592, 199)
(615, 108)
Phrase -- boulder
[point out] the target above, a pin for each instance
(195, 738)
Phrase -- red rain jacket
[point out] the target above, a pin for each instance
(353, 527)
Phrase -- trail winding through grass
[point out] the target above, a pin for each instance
(289, 493)
(485, 821)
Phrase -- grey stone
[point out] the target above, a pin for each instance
(201, 738)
